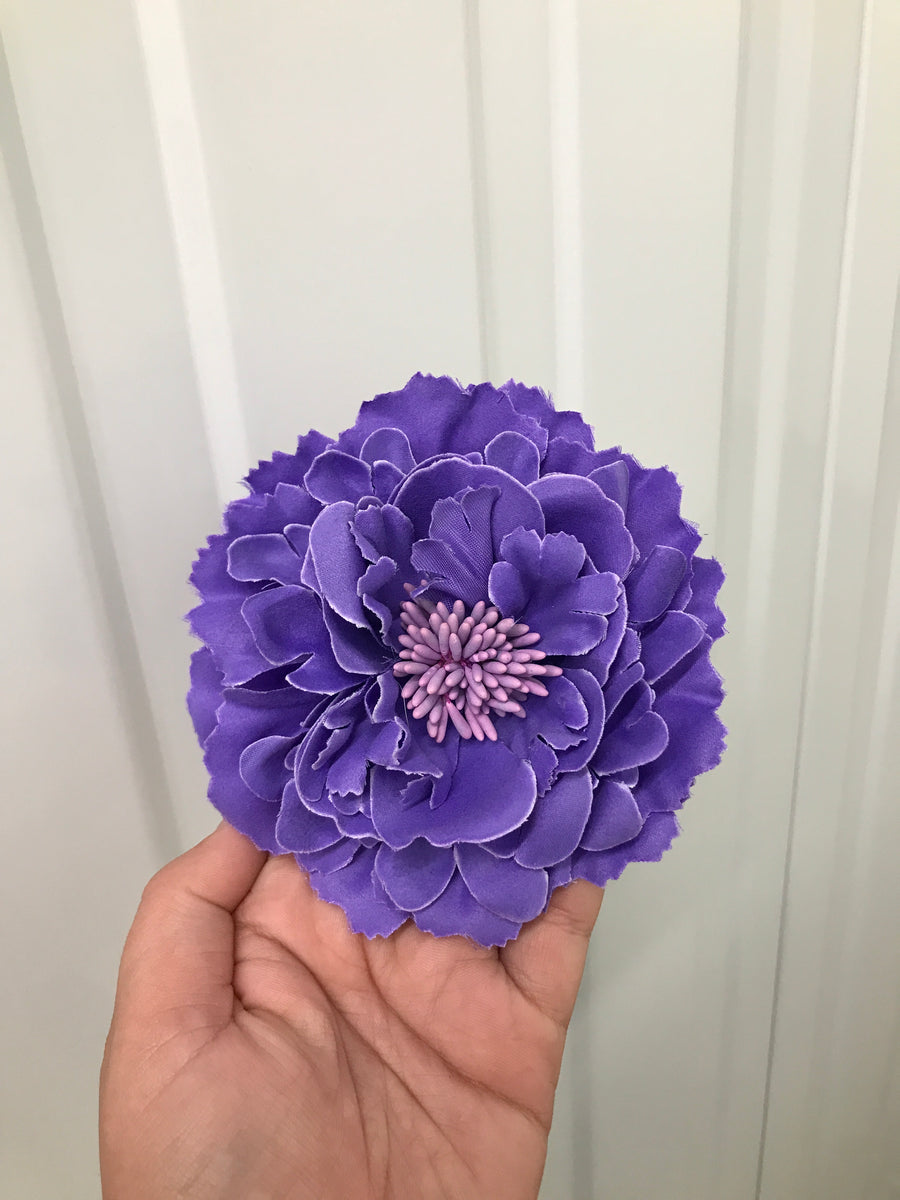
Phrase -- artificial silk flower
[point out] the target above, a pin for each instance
(455, 659)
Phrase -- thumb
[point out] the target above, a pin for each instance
(178, 961)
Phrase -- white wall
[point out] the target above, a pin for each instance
(223, 222)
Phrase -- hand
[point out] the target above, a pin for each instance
(259, 1050)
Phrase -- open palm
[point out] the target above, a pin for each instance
(260, 1050)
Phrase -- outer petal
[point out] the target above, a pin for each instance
(288, 468)
(491, 793)
(243, 718)
(205, 695)
(438, 416)
(456, 911)
(555, 828)
(359, 893)
(512, 891)
(415, 876)
(688, 703)
(298, 829)
(614, 819)
(286, 622)
(649, 846)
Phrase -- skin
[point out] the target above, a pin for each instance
(259, 1050)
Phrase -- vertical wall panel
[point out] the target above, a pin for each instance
(840, 975)
(77, 843)
(338, 146)
(80, 90)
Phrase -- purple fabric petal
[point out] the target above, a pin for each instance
(575, 757)
(557, 823)
(625, 746)
(243, 718)
(298, 829)
(358, 891)
(664, 646)
(458, 556)
(205, 695)
(573, 504)
(415, 876)
(332, 858)
(500, 884)
(706, 578)
(288, 468)
(651, 585)
(537, 582)
(438, 417)
(338, 562)
(614, 819)
(515, 454)
(687, 702)
(388, 445)
(457, 911)
(613, 480)
(650, 844)
(515, 506)
(654, 513)
(386, 479)
(263, 556)
(334, 476)
(491, 792)
(262, 766)
(537, 404)
(285, 622)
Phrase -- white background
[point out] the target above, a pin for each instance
(225, 221)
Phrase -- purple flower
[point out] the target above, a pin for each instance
(455, 659)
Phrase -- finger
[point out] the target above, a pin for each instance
(546, 960)
(178, 961)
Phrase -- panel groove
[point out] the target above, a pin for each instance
(116, 624)
(826, 506)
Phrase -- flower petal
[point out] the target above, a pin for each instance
(650, 844)
(651, 585)
(626, 746)
(264, 556)
(668, 642)
(300, 830)
(573, 504)
(491, 792)
(557, 823)
(515, 454)
(285, 622)
(359, 893)
(416, 875)
(515, 506)
(288, 468)
(334, 476)
(456, 911)
(388, 445)
(205, 695)
(338, 562)
(615, 817)
(512, 891)
(262, 766)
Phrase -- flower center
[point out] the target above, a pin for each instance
(463, 667)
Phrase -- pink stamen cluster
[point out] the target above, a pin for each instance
(463, 667)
